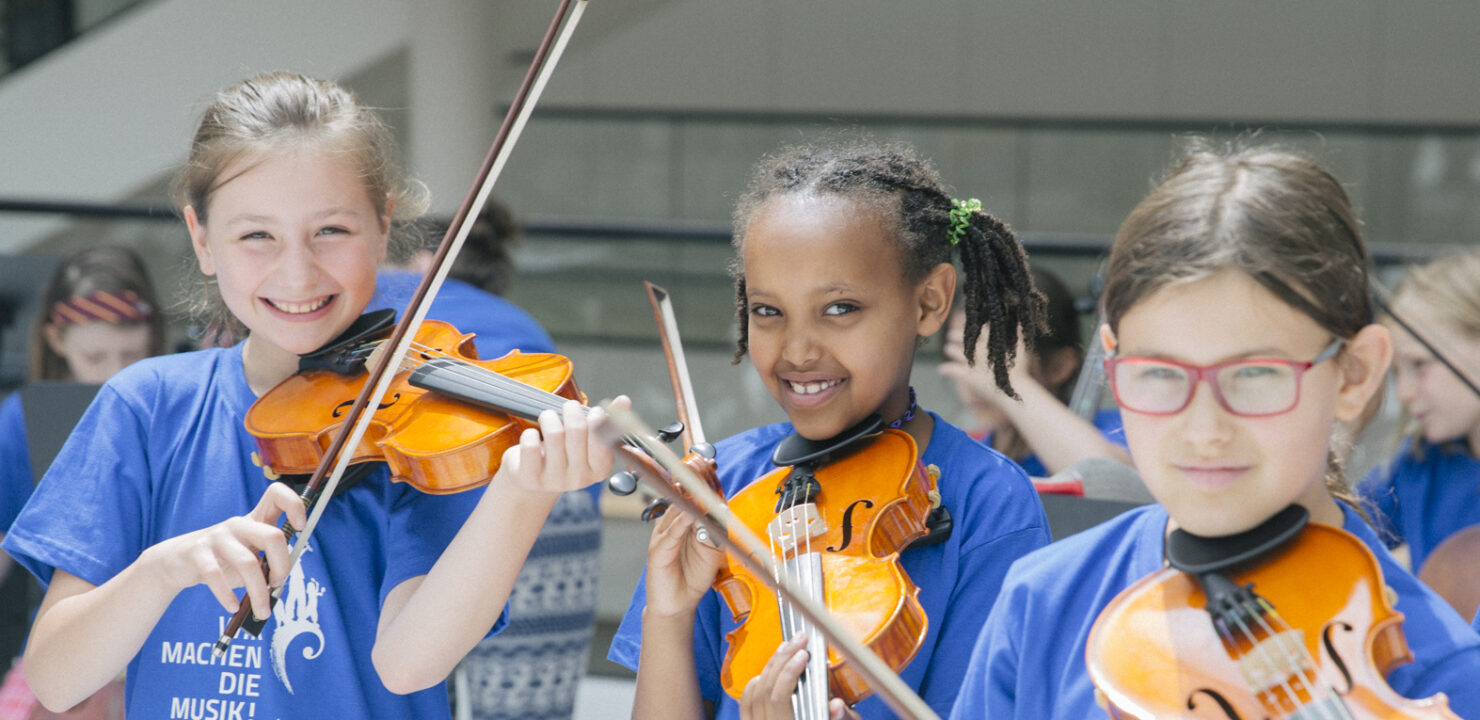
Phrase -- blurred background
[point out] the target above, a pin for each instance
(1057, 114)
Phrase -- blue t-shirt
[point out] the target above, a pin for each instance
(1029, 662)
(1107, 421)
(499, 325)
(997, 519)
(1422, 497)
(16, 479)
(162, 451)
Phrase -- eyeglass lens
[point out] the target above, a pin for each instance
(1252, 388)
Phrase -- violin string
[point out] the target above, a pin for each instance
(1306, 663)
(818, 706)
(1246, 632)
(494, 380)
(803, 580)
(782, 608)
(487, 378)
(804, 560)
(473, 374)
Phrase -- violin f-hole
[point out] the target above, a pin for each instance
(1217, 698)
(1335, 656)
(347, 404)
(848, 522)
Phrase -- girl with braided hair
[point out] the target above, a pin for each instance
(843, 265)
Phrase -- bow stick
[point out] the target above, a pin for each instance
(1384, 299)
(357, 421)
(741, 543)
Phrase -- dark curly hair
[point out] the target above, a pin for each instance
(904, 191)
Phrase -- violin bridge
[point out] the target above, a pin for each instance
(795, 525)
(1268, 663)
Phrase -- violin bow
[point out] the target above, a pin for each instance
(1384, 299)
(741, 543)
(678, 367)
(324, 480)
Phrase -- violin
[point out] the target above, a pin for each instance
(1287, 620)
(837, 515)
(1453, 571)
(424, 429)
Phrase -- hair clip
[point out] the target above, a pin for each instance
(961, 211)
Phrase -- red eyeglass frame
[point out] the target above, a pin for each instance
(1199, 373)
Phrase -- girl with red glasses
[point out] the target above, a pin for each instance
(1240, 333)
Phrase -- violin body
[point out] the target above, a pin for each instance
(437, 443)
(874, 502)
(1154, 652)
(1453, 571)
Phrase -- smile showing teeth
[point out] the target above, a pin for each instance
(300, 308)
(811, 388)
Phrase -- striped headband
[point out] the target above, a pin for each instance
(123, 307)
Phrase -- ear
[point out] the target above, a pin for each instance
(1107, 339)
(198, 241)
(385, 227)
(1059, 367)
(1364, 364)
(53, 335)
(934, 296)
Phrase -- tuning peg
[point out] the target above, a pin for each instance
(622, 483)
(703, 450)
(670, 433)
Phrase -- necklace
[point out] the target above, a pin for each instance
(909, 413)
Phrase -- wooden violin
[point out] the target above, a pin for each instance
(836, 516)
(443, 425)
(1453, 571)
(1287, 620)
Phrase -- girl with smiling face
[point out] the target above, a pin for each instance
(843, 267)
(1431, 488)
(155, 511)
(1240, 332)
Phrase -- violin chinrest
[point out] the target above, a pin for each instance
(797, 450)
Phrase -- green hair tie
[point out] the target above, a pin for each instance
(961, 218)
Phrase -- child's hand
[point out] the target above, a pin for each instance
(976, 382)
(680, 569)
(224, 556)
(568, 452)
(768, 695)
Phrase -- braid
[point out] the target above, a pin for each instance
(906, 193)
(999, 286)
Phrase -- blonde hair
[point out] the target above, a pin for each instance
(1447, 289)
(1447, 286)
(282, 110)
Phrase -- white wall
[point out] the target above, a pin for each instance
(109, 114)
